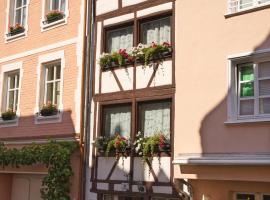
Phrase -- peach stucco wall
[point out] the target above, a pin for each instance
(204, 39)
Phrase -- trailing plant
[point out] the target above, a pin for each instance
(48, 109)
(55, 155)
(54, 15)
(8, 115)
(18, 28)
(101, 144)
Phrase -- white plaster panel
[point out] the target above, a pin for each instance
(135, 188)
(98, 49)
(141, 171)
(122, 169)
(125, 76)
(162, 189)
(131, 2)
(155, 9)
(163, 75)
(118, 19)
(109, 83)
(143, 75)
(105, 165)
(105, 6)
(102, 186)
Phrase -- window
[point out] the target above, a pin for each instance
(55, 13)
(121, 38)
(266, 197)
(239, 5)
(254, 89)
(18, 12)
(12, 91)
(155, 117)
(59, 5)
(158, 31)
(117, 119)
(245, 197)
(52, 84)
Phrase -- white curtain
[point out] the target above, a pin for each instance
(158, 31)
(117, 120)
(245, 3)
(155, 118)
(120, 39)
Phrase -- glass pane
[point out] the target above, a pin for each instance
(23, 16)
(17, 96)
(57, 93)
(247, 89)
(55, 5)
(266, 197)
(18, 80)
(158, 31)
(18, 16)
(265, 106)
(63, 5)
(18, 3)
(155, 118)
(58, 72)
(245, 197)
(11, 100)
(247, 107)
(245, 3)
(120, 39)
(264, 87)
(49, 95)
(117, 120)
(264, 69)
(50, 75)
(246, 73)
(12, 79)
(24, 2)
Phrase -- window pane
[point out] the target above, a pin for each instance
(18, 16)
(58, 72)
(11, 100)
(120, 39)
(246, 73)
(18, 3)
(158, 31)
(264, 69)
(247, 89)
(24, 2)
(18, 80)
(155, 118)
(245, 3)
(245, 197)
(55, 5)
(23, 16)
(50, 75)
(247, 107)
(63, 5)
(49, 95)
(57, 93)
(12, 79)
(264, 87)
(117, 119)
(266, 197)
(265, 106)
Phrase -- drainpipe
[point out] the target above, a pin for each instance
(87, 91)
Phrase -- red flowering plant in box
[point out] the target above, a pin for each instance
(16, 29)
(118, 145)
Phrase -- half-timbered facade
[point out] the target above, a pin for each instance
(131, 98)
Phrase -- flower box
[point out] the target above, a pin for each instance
(17, 29)
(54, 16)
(49, 110)
(8, 115)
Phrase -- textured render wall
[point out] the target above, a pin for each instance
(27, 127)
(204, 39)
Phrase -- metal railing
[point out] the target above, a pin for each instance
(240, 5)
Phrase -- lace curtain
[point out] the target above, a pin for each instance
(117, 120)
(155, 118)
(120, 39)
(158, 31)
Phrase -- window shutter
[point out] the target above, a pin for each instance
(11, 12)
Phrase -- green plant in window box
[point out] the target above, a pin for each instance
(118, 145)
(8, 115)
(54, 15)
(101, 144)
(49, 109)
(13, 30)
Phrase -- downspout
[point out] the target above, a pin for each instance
(87, 91)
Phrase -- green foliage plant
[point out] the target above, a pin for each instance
(8, 115)
(54, 155)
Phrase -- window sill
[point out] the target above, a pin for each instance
(48, 119)
(250, 120)
(52, 25)
(248, 10)
(9, 123)
(15, 37)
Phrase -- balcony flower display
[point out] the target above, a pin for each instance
(142, 53)
(48, 110)
(13, 30)
(54, 15)
(8, 115)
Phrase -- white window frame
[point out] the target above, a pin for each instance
(43, 59)
(16, 89)
(233, 85)
(20, 35)
(64, 21)
(234, 6)
(19, 8)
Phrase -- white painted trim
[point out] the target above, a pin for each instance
(118, 19)
(59, 55)
(39, 50)
(56, 24)
(247, 54)
(38, 141)
(222, 159)
(19, 36)
(155, 9)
